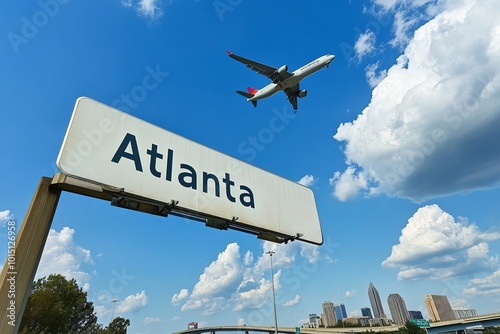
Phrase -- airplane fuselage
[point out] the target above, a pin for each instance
(297, 76)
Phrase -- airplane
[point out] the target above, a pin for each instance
(282, 79)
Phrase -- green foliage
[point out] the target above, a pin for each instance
(492, 330)
(57, 305)
(117, 326)
(411, 328)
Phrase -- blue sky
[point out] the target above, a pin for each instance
(398, 139)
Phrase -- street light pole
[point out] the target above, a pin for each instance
(113, 313)
(271, 253)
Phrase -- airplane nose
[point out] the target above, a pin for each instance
(330, 59)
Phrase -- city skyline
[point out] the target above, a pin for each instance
(395, 139)
(438, 304)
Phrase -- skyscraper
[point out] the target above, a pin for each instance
(397, 306)
(366, 312)
(340, 312)
(439, 308)
(378, 310)
(415, 315)
(461, 313)
(329, 314)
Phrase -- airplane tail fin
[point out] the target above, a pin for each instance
(248, 95)
(252, 91)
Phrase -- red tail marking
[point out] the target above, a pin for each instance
(252, 91)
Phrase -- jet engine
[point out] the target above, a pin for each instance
(283, 69)
(302, 93)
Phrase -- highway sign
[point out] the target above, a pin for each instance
(118, 151)
(422, 323)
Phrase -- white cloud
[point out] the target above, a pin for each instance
(152, 320)
(372, 76)
(178, 297)
(310, 252)
(256, 297)
(350, 294)
(132, 303)
(5, 215)
(403, 25)
(62, 256)
(432, 121)
(487, 286)
(434, 245)
(365, 44)
(230, 283)
(348, 184)
(307, 180)
(248, 260)
(215, 284)
(148, 8)
(221, 274)
(293, 301)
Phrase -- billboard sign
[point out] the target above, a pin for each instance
(111, 148)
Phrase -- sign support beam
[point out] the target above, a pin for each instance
(20, 267)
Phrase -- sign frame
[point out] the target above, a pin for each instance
(142, 164)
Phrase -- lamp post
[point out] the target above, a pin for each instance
(113, 313)
(271, 253)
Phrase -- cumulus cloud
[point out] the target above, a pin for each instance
(487, 286)
(434, 245)
(349, 183)
(240, 283)
(432, 123)
(307, 180)
(365, 44)
(373, 75)
(178, 297)
(132, 303)
(147, 8)
(221, 274)
(62, 256)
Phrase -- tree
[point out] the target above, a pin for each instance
(117, 326)
(492, 330)
(57, 305)
(411, 328)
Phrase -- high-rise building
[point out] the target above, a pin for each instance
(314, 320)
(397, 306)
(415, 315)
(378, 310)
(461, 313)
(329, 314)
(366, 312)
(340, 312)
(439, 308)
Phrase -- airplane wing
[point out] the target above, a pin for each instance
(292, 94)
(269, 71)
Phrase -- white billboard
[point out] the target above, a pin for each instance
(106, 146)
